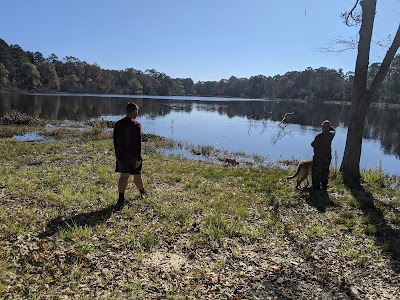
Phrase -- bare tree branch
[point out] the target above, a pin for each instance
(345, 44)
(353, 17)
(385, 44)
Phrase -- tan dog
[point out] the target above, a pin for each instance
(304, 170)
(231, 161)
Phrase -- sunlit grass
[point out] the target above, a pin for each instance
(195, 207)
(375, 176)
(75, 232)
(315, 232)
(355, 255)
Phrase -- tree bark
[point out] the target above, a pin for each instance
(350, 167)
(360, 97)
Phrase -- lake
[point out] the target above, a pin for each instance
(253, 126)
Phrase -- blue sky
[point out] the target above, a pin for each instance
(200, 39)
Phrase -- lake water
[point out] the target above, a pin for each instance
(250, 126)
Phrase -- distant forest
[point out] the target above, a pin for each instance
(25, 71)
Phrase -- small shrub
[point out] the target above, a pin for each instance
(18, 118)
(101, 124)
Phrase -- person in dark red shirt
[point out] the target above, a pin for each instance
(128, 152)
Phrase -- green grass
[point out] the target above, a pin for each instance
(346, 221)
(59, 235)
(375, 177)
(315, 232)
(307, 252)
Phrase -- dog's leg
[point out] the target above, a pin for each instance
(298, 183)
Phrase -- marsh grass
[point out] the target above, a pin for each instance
(16, 117)
(375, 176)
(58, 226)
(8, 131)
(83, 134)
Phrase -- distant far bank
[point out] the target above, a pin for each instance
(25, 71)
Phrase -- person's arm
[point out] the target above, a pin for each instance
(138, 141)
(317, 140)
(115, 139)
(314, 142)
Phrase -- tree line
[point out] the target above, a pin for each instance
(25, 71)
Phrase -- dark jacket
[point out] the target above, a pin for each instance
(128, 139)
(322, 143)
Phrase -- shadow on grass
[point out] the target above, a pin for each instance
(84, 219)
(319, 199)
(330, 286)
(386, 237)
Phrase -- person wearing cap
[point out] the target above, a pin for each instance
(128, 148)
(322, 156)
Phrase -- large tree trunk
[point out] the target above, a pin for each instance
(360, 104)
(350, 167)
(360, 97)
(363, 97)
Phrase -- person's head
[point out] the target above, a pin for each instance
(326, 125)
(132, 109)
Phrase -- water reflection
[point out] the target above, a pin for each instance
(251, 126)
(29, 137)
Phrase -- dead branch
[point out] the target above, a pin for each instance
(349, 43)
(385, 44)
(352, 15)
(284, 117)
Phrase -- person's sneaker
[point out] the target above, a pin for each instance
(144, 193)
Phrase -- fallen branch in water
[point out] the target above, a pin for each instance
(284, 117)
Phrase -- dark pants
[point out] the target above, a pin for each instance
(320, 172)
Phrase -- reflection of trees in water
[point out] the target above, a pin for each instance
(280, 134)
(382, 123)
(263, 126)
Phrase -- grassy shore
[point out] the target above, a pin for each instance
(208, 231)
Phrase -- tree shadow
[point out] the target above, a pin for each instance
(319, 199)
(386, 237)
(331, 286)
(293, 286)
(84, 219)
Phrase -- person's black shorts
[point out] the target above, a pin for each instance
(128, 166)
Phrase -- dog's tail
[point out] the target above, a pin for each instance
(295, 175)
